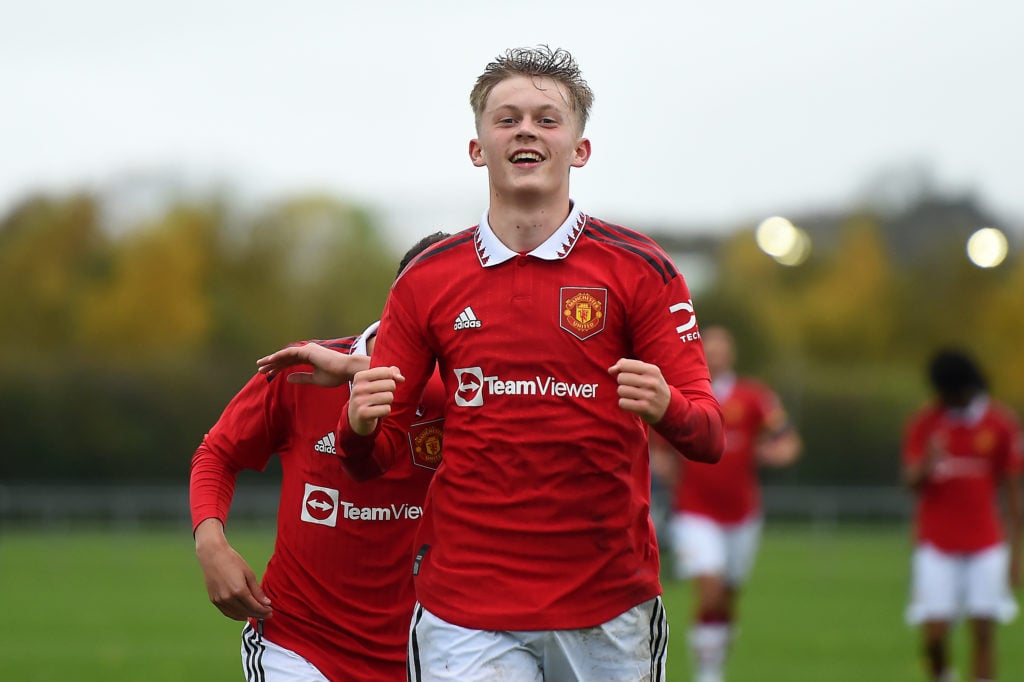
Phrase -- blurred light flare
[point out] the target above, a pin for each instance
(800, 252)
(783, 241)
(987, 247)
(775, 236)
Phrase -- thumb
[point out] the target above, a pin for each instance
(300, 378)
(396, 374)
(256, 590)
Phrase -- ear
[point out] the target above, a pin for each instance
(582, 153)
(476, 153)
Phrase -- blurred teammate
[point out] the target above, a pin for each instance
(958, 452)
(716, 519)
(561, 340)
(337, 594)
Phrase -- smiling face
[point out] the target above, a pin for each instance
(528, 137)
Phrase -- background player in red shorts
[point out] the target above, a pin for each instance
(716, 518)
(337, 595)
(562, 339)
(958, 452)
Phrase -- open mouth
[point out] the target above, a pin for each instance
(526, 157)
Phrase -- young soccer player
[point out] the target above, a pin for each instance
(958, 452)
(337, 595)
(561, 340)
(716, 520)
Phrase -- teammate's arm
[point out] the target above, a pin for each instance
(918, 469)
(245, 436)
(330, 368)
(779, 448)
(230, 582)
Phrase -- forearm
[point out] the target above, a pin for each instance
(693, 426)
(358, 453)
(211, 488)
(916, 475)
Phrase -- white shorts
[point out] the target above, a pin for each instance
(264, 661)
(702, 546)
(945, 587)
(629, 648)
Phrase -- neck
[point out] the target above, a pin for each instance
(524, 226)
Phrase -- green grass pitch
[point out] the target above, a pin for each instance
(823, 604)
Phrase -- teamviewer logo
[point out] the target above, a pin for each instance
(320, 505)
(471, 387)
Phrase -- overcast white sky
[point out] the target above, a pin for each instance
(705, 114)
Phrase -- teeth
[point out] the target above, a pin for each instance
(526, 156)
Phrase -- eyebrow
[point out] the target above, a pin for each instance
(544, 108)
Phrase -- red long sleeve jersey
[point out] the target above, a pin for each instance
(538, 518)
(339, 578)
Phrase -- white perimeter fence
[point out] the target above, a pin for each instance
(137, 504)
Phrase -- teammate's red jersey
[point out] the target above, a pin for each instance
(538, 517)
(957, 507)
(339, 578)
(729, 491)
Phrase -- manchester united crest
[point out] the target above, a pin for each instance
(984, 441)
(583, 310)
(425, 442)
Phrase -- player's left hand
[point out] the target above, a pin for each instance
(642, 389)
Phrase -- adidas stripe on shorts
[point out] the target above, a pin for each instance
(264, 661)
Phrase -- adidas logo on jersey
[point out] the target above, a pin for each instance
(466, 320)
(326, 445)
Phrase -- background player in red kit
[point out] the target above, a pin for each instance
(561, 340)
(957, 453)
(716, 517)
(336, 596)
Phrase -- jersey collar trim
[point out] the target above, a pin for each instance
(491, 251)
(359, 347)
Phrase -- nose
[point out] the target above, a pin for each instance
(526, 128)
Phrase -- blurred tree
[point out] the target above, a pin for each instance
(153, 299)
(50, 250)
(121, 347)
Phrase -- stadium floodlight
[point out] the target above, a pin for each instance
(798, 253)
(987, 247)
(776, 236)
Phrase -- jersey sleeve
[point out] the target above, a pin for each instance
(401, 342)
(915, 440)
(245, 436)
(665, 333)
(774, 420)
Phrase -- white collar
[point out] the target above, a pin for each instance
(491, 251)
(972, 412)
(722, 385)
(359, 347)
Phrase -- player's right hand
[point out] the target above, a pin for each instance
(230, 583)
(373, 392)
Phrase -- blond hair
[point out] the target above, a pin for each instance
(536, 62)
